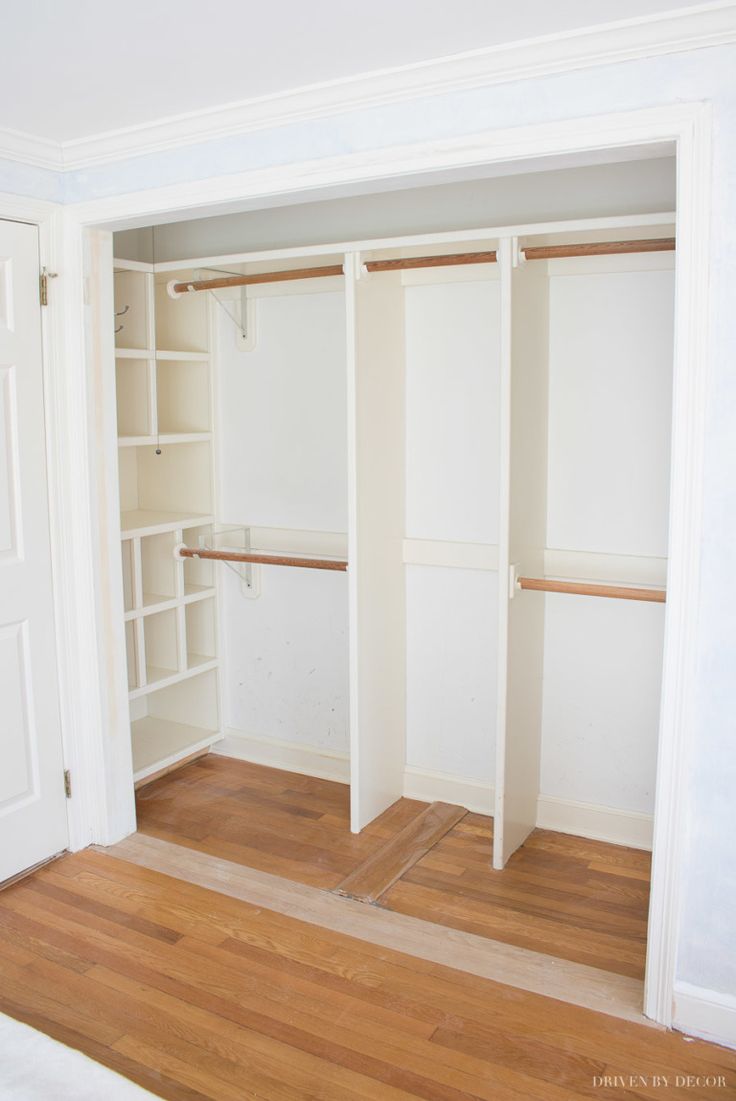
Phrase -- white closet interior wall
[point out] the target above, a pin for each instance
(282, 469)
(610, 402)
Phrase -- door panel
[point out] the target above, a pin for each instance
(33, 824)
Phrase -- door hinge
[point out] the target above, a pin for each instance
(67, 783)
(43, 285)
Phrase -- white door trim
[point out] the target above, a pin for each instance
(76, 643)
(689, 125)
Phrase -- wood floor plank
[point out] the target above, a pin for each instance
(493, 959)
(298, 827)
(593, 895)
(276, 1007)
(386, 865)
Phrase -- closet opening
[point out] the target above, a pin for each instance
(395, 551)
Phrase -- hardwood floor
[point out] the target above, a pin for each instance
(578, 900)
(197, 996)
(371, 879)
(294, 826)
(575, 899)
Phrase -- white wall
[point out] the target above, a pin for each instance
(610, 402)
(452, 452)
(451, 655)
(610, 395)
(282, 423)
(281, 443)
(452, 380)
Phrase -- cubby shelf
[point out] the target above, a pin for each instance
(135, 353)
(184, 357)
(164, 414)
(164, 438)
(154, 602)
(163, 678)
(158, 743)
(142, 522)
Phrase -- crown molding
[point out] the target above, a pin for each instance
(30, 150)
(697, 27)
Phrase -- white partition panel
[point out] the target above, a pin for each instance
(376, 581)
(452, 364)
(519, 734)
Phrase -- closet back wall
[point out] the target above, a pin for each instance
(282, 463)
(452, 473)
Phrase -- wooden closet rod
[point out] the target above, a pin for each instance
(599, 248)
(617, 592)
(533, 252)
(258, 277)
(446, 261)
(257, 558)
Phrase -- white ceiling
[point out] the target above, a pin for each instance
(71, 69)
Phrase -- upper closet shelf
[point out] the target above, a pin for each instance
(140, 522)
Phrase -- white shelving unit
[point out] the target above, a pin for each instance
(164, 410)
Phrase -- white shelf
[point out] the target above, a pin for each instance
(164, 438)
(185, 357)
(196, 662)
(131, 265)
(158, 743)
(141, 522)
(134, 353)
(153, 602)
(163, 678)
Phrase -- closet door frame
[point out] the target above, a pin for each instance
(101, 810)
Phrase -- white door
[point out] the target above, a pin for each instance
(33, 823)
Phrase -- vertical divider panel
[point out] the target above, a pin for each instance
(524, 535)
(152, 398)
(504, 253)
(179, 566)
(137, 571)
(181, 638)
(375, 318)
(140, 653)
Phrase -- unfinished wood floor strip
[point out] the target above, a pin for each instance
(383, 868)
(577, 984)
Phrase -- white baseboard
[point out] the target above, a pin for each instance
(617, 827)
(705, 1013)
(304, 759)
(421, 783)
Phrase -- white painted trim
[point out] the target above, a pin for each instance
(696, 27)
(304, 759)
(15, 145)
(69, 512)
(679, 674)
(435, 552)
(705, 1013)
(654, 125)
(114, 780)
(617, 827)
(689, 125)
(431, 786)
